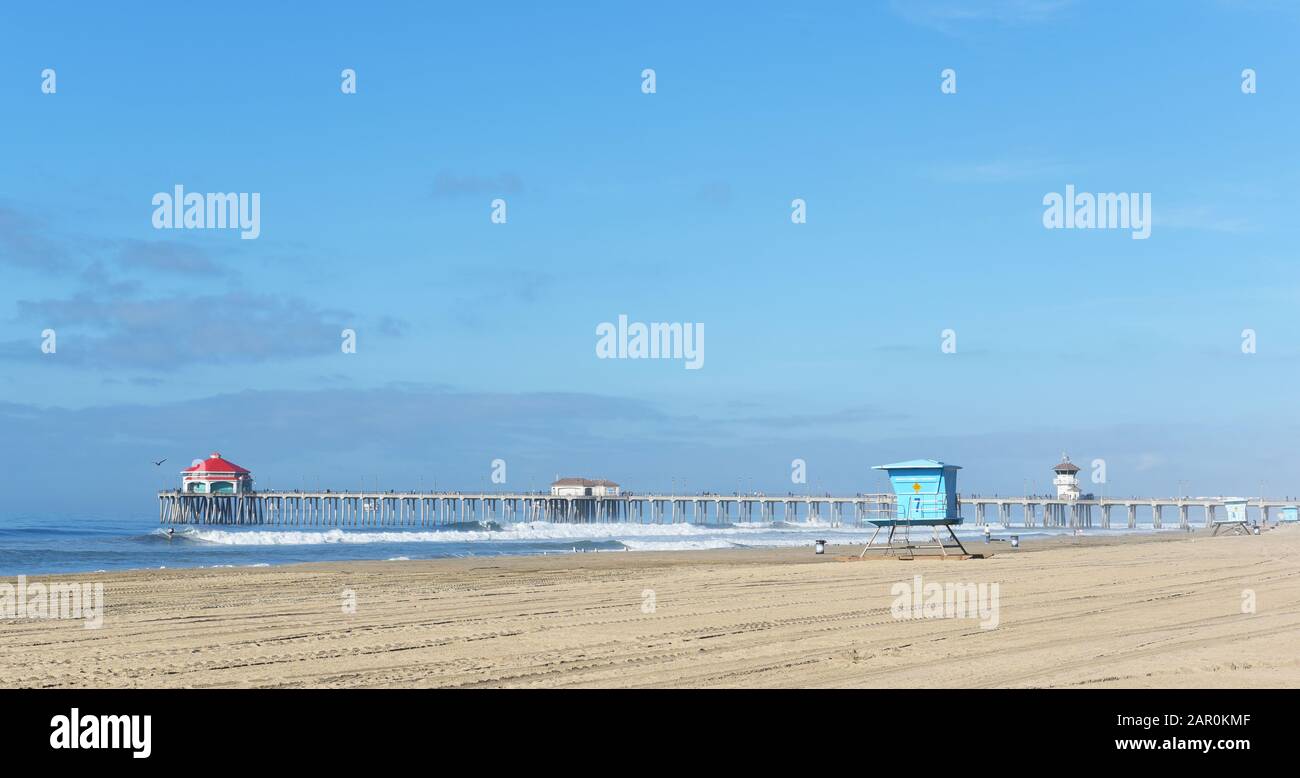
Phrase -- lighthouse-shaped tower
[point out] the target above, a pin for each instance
(1066, 480)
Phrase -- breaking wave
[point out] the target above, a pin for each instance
(633, 536)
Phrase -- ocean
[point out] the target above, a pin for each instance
(34, 546)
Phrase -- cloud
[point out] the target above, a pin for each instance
(1148, 461)
(25, 242)
(28, 241)
(1201, 217)
(803, 421)
(478, 291)
(449, 184)
(106, 319)
(97, 276)
(998, 171)
(952, 15)
(168, 257)
(166, 332)
(715, 193)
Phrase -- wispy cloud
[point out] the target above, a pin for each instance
(25, 242)
(106, 316)
(1199, 217)
(449, 184)
(167, 332)
(168, 257)
(997, 171)
(715, 193)
(953, 15)
(832, 419)
(477, 291)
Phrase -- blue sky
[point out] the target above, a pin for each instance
(476, 340)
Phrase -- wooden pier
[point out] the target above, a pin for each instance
(445, 509)
(437, 509)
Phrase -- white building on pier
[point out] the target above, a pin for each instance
(1066, 480)
(584, 487)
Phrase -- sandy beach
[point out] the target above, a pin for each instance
(1134, 611)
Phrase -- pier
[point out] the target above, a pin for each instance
(445, 509)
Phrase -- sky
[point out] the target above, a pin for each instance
(922, 308)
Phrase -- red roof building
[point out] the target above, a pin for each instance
(215, 475)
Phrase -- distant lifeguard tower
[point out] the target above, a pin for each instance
(1235, 522)
(925, 493)
(215, 475)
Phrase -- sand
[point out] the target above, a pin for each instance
(1140, 611)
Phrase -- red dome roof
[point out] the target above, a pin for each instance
(215, 464)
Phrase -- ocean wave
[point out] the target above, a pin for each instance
(678, 545)
(626, 534)
(637, 537)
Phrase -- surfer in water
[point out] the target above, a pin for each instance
(171, 532)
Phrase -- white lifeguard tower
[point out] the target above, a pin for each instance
(1236, 521)
(1066, 479)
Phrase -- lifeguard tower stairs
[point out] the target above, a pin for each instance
(924, 513)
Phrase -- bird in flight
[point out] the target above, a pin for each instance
(159, 462)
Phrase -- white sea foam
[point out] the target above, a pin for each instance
(677, 545)
(639, 537)
(786, 534)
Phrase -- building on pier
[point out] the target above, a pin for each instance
(1066, 480)
(215, 475)
(584, 487)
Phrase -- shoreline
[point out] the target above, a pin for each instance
(1148, 609)
(1030, 538)
(754, 554)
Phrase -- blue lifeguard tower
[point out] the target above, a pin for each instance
(925, 495)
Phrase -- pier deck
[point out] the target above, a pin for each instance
(435, 509)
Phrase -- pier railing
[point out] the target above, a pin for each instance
(445, 509)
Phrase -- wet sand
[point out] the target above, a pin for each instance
(1131, 611)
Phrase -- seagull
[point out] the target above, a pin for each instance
(159, 462)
